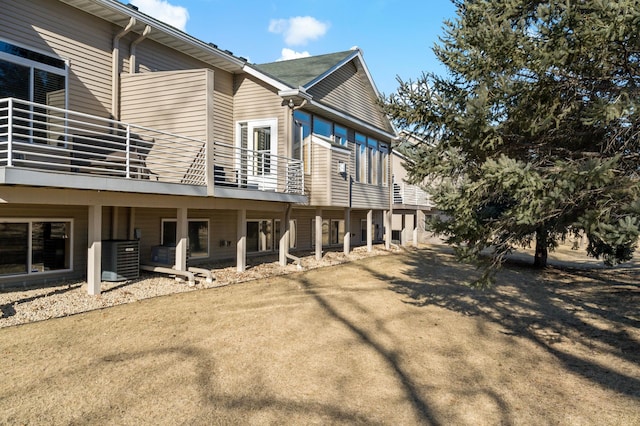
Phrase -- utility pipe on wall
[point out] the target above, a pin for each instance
(132, 49)
(115, 69)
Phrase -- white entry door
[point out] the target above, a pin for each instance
(260, 164)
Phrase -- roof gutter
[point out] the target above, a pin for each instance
(115, 69)
(159, 27)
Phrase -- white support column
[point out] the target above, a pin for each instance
(182, 239)
(387, 228)
(318, 233)
(347, 230)
(241, 245)
(403, 233)
(415, 229)
(284, 236)
(370, 230)
(94, 255)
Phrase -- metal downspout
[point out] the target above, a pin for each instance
(132, 49)
(115, 69)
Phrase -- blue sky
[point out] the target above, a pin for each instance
(396, 37)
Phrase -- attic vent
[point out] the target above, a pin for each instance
(215, 46)
(131, 6)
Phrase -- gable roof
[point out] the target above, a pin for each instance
(327, 83)
(303, 72)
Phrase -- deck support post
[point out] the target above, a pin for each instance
(369, 230)
(241, 245)
(94, 255)
(347, 230)
(318, 233)
(182, 238)
(284, 235)
(387, 229)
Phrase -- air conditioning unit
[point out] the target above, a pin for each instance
(120, 260)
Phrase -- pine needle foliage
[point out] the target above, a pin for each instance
(534, 133)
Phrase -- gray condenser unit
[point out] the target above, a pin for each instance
(120, 260)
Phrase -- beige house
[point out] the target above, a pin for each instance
(411, 206)
(127, 144)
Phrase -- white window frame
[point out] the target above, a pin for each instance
(269, 240)
(64, 72)
(30, 222)
(265, 181)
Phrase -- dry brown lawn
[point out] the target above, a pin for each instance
(395, 339)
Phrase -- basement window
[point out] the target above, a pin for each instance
(32, 246)
(198, 236)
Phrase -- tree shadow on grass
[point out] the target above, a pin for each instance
(421, 408)
(592, 308)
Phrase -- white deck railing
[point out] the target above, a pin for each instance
(48, 138)
(411, 195)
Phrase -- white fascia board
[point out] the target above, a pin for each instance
(165, 28)
(265, 78)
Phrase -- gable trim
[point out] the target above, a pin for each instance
(357, 54)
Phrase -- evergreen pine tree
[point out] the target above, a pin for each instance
(534, 133)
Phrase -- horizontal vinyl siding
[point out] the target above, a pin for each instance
(66, 32)
(255, 100)
(223, 107)
(339, 182)
(80, 223)
(222, 227)
(320, 181)
(349, 90)
(173, 101)
(152, 56)
(369, 196)
(303, 219)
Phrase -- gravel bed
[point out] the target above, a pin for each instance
(20, 306)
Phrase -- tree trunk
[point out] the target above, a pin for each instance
(540, 259)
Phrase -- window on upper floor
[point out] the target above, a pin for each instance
(384, 164)
(371, 155)
(257, 159)
(35, 77)
(361, 158)
(301, 142)
(340, 135)
(322, 127)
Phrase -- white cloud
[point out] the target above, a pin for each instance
(299, 30)
(287, 54)
(176, 16)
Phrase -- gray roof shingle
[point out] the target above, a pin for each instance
(300, 72)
